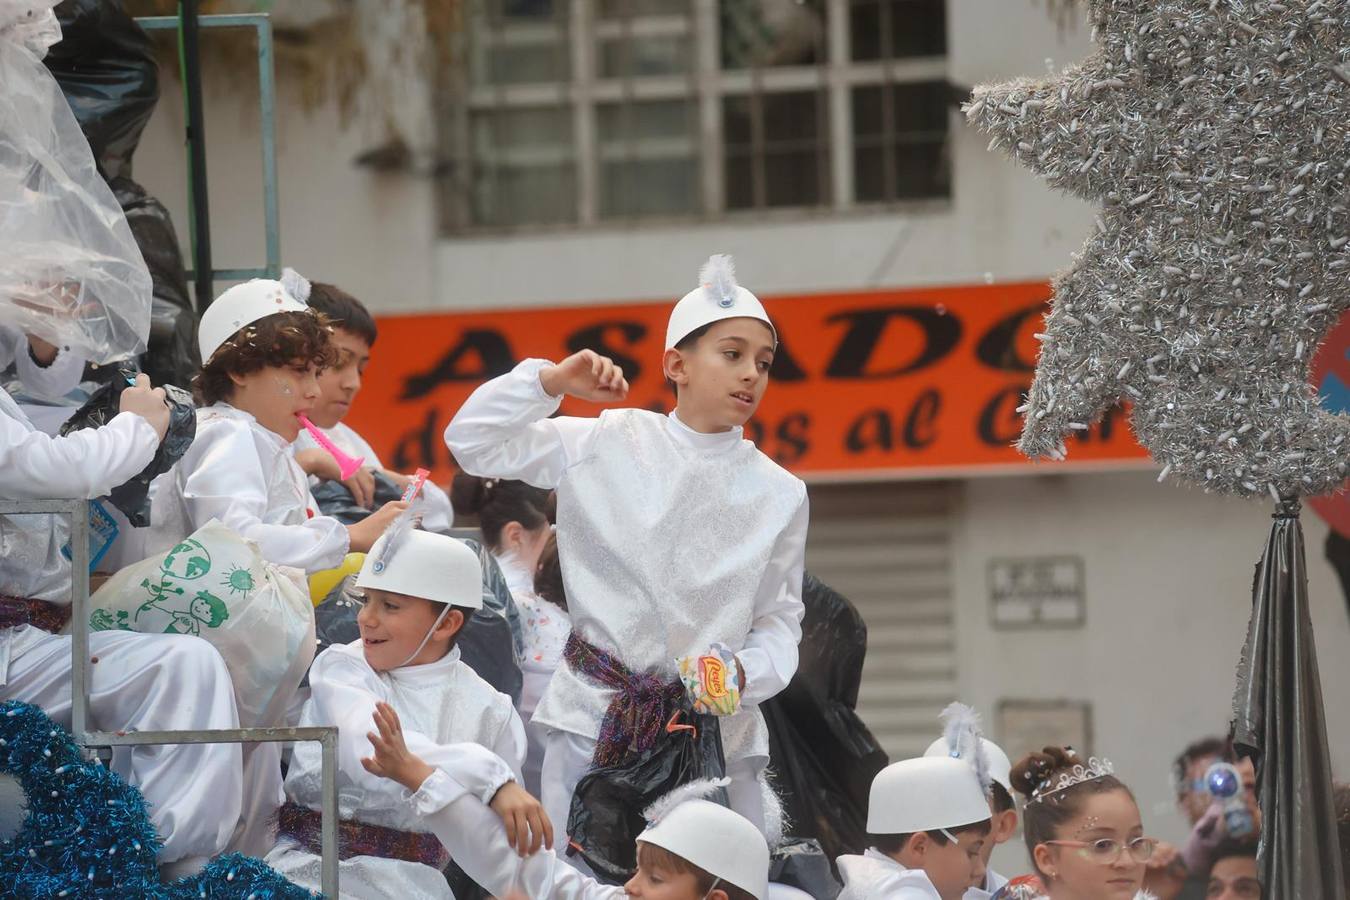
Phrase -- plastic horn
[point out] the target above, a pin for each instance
(346, 465)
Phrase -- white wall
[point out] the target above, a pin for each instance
(1168, 584)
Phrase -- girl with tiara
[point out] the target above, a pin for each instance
(1083, 831)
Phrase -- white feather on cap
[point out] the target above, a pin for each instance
(404, 523)
(699, 789)
(296, 285)
(718, 277)
(965, 740)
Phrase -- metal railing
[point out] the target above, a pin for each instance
(78, 513)
(261, 23)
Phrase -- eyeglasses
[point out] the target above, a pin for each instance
(1244, 888)
(1106, 851)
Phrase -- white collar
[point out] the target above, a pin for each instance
(226, 411)
(432, 671)
(519, 580)
(720, 440)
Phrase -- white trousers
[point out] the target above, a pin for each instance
(149, 682)
(567, 757)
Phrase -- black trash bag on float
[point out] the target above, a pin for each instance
(606, 815)
(132, 498)
(802, 864)
(106, 67)
(823, 756)
(335, 500)
(485, 643)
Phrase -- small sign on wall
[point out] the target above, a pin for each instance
(1028, 725)
(1037, 592)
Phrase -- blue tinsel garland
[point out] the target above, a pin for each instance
(87, 834)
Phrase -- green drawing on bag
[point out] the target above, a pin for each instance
(205, 609)
(103, 620)
(188, 560)
(239, 581)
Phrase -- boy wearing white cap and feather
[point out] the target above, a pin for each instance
(692, 849)
(679, 539)
(962, 739)
(927, 821)
(420, 589)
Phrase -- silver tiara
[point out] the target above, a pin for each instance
(1095, 768)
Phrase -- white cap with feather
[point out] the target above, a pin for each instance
(962, 738)
(717, 297)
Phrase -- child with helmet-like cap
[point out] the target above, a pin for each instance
(420, 589)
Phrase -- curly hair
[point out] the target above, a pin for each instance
(281, 339)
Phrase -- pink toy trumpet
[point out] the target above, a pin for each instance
(346, 465)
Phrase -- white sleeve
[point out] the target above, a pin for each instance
(87, 463)
(50, 382)
(504, 431)
(440, 515)
(344, 692)
(222, 478)
(770, 653)
(511, 744)
(476, 840)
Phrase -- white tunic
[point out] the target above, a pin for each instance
(476, 839)
(992, 883)
(445, 709)
(245, 475)
(875, 876)
(85, 464)
(670, 540)
(50, 382)
(439, 515)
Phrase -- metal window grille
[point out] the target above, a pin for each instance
(570, 113)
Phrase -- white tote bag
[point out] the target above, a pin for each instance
(215, 585)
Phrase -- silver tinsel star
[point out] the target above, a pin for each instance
(1216, 136)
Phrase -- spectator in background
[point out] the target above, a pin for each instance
(1233, 875)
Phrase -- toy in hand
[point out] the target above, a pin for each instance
(712, 681)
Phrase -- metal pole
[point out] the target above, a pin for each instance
(328, 872)
(267, 103)
(78, 511)
(190, 51)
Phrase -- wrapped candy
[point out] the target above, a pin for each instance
(70, 270)
(711, 680)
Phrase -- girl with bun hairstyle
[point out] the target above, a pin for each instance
(1083, 830)
(516, 521)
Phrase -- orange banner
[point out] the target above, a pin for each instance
(883, 384)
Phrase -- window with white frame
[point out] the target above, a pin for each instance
(578, 112)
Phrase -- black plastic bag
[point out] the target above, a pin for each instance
(133, 498)
(804, 865)
(606, 814)
(106, 67)
(335, 500)
(823, 756)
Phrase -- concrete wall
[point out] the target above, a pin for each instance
(1168, 585)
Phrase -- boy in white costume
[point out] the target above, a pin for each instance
(989, 761)
(354, 334)
(691, 850)
(927, 820)
(674, 532)
(139, 681)
(262, 351)
(420, 588)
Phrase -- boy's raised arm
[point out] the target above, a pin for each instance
(504, 431)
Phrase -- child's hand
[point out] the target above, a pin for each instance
(365, 533)
(150, 404)
(587, 376)
(527, 825)
(362, 486)
(393, 759)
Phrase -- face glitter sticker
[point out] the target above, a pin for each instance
(1215, 137)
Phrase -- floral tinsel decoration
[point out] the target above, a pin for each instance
(87, 833)
(1216, 136)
